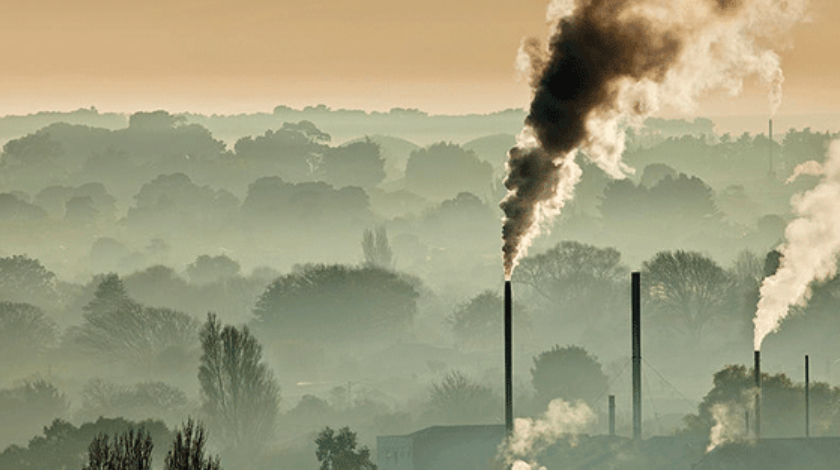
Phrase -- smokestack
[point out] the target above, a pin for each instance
(757, 370)
(770, 172)
(612, 415)
(807, 398)
(637, 355)
(508, 358)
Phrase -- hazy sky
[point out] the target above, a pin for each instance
(442, 56)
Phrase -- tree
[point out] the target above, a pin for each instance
(33, 149)
(479, 320)
(376, 249)
(331, 302)
(24, 279)
(61, 445)
(457, 399)
(25, 332)
(686, 291)
(240, 395)
(354, 164)
(338, 451)
(187, 452)
(25, 408)
(443, 170)
(571, 273)
(569, 373)
(117, 327)
(173, 200)
(294, 151)
(585, 284)
(12, 208)
(207, 269)
(782, 404)
(143, 400)
(131, 450)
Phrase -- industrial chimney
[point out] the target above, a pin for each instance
(757, 370)
(807, 397)
(508, 358)
(636, 321)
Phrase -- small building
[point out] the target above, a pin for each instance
(472, 447)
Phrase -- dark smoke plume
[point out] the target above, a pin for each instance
(610, 61)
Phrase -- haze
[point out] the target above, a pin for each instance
(315, 187)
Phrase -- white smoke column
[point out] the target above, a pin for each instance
(616, 62)
(811, 248)
(730, 424)
(531, 437)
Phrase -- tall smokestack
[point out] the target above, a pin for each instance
(508, 358)
(612, 415)
(757, 370)
(807, 398)
(637, 354)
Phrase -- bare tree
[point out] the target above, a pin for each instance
(187, 452)
(686, 290)
(457, 399)
(376, 248)
(128, 451)
(239, 391)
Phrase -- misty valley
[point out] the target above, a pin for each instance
(294, 289)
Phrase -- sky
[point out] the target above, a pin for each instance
(220, 56)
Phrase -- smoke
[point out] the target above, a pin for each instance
(730, 421)
(531, 437)
(811, 248)
(612, 63)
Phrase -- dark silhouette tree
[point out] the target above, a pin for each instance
(354, 164)
(239, 393)
(188, 450)
(131, 450)
(332, 302)
(25, 332)
(569, 373)
(376, 249)
(782, 403)
(458, 399)
(61, 445)
(338, 451)
(686, 291)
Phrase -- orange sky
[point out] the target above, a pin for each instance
(442, 56)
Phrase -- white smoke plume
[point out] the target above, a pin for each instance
(730, 423)
(810, 167)
(531, 437)
(811, 249)
(610, 63)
